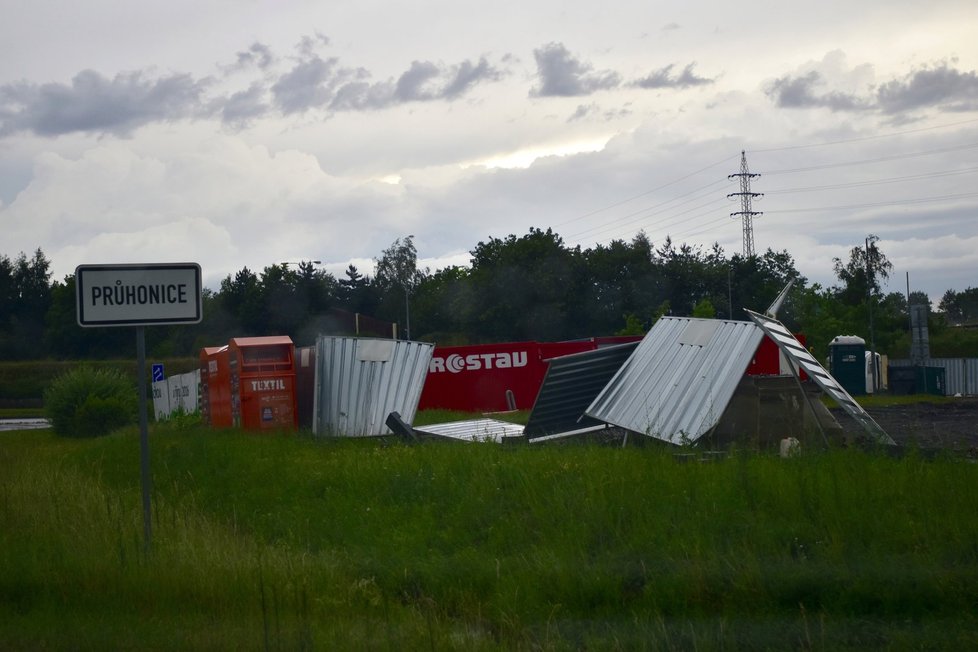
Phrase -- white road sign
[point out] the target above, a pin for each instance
(138, 295)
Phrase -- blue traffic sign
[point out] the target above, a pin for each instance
(157, 371)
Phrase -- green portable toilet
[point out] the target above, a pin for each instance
(847, 362)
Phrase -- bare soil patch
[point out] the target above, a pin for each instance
(951, 425)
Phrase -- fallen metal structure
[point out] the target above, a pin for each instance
(677, 383)
(674, 386)
(360, 381)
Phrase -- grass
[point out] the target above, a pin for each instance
(285, 542)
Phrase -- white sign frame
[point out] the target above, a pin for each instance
(154, 294)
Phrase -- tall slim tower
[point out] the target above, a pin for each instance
(746, 196)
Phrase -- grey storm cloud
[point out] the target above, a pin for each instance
(799, 93)
(412, 85)
(244, 106)
(563, 75)
(310, 84)
(422, 82)
(662, 78)
(95, 103)
(940, 86)
(258, 55)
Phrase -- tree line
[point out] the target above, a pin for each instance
(529, 287)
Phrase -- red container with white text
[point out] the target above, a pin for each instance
(263, 383)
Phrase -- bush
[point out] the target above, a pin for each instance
(87, 402)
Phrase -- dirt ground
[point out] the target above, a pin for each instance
(951, 425)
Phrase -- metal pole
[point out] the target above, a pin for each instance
(872, 336)
(407, 313)
(144, 436)
(729, 295)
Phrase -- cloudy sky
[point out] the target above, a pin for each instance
(253, 132)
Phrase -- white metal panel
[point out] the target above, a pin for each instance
(487, 430)
(800, 356)
(359, 381)
(678, 382)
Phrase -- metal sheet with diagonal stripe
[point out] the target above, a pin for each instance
(800, 356)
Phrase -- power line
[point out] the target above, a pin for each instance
(874, 182)
(643, 194)
(865, 138)
(895, 202)
(879, 159)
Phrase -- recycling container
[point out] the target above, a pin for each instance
(263, 383)
(215, 386)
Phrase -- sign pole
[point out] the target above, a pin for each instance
(144, 435)
(139, 295)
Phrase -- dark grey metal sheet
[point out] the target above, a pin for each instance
(571, 384)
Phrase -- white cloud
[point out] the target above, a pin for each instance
(281, 134)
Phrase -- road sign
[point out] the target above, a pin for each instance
(138, 295)
(157, 372)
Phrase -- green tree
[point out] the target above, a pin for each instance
(25, 297)
(397, 273)
(704, 309)
(862, 274)
(441, 306)
(241, 297)
(529, 287)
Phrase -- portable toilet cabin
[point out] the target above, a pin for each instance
(263, 383)
(847, 363)
(215, 386)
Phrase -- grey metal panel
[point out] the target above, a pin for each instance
(571, 383)
(488, 430)
(359, 381)
(675, 391)
(801, 358)
(961, 374)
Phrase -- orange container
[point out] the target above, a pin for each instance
(263, 383)
(215, 386)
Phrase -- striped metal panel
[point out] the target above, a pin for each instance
(961, 374)
(359, 381)
(802, 359)
(476, 430)
(571, 384)
(678, 381)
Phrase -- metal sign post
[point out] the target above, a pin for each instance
(146, 480)
(139, 295)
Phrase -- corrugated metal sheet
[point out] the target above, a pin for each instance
(359, 381)
(486, 430)
(677, 383)
(961, 374)
(571, 384)
(800, 356)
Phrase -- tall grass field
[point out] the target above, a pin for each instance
(284, 542)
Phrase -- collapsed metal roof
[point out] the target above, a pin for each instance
(802, 359)
(678, 381)
(570, 385)
(474, 430)
(359, 381)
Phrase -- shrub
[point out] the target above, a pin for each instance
(88, 402)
